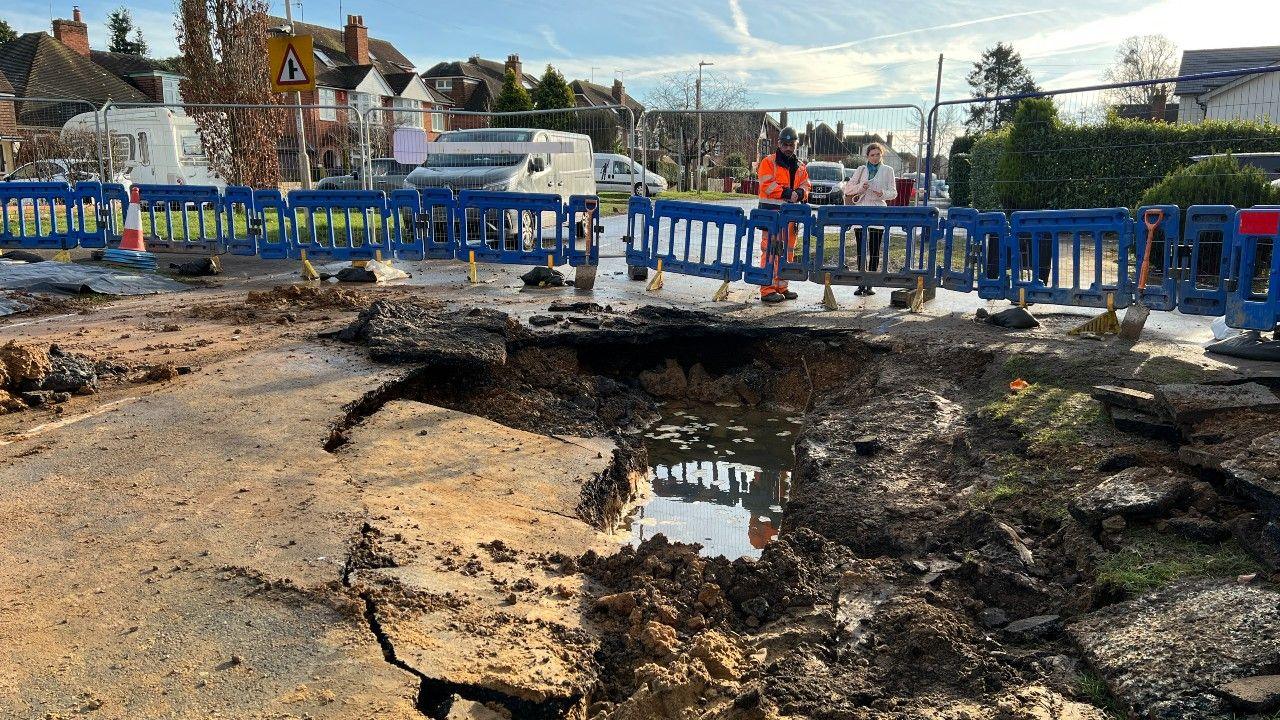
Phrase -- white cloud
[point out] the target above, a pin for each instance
(549, 36)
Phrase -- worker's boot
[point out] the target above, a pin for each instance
(789, 295)
(773, 298)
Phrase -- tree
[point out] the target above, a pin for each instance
(998, 72)
(673, 126)
(223, 43)
(1143, 57)
(513, 97)
(119, 25)
(7, 32)
(552, 92)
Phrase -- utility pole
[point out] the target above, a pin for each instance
(932, 131)
(698, 104)
(304, 160)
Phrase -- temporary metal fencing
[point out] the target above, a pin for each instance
(717, 149)
(55, 140)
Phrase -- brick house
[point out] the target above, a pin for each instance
(606, 128)
(820, 142)
(355, 74)
(157, 79)
(9, 137)
(473, 85)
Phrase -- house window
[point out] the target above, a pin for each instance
(361, 103)
(408, 112)
(326, 96)
(445, 85)
(171, 95)
(437, 122)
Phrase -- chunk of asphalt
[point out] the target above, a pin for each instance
(1130, 398)
(1133, 494)
(1257, 694)
(1186, 403)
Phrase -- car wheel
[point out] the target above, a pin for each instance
(527, 234)
(637, 272)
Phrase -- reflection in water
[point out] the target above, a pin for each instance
(720, 478)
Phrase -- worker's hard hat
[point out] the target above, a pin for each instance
(788, 135)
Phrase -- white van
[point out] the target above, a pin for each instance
(151, 145)
(486, 165)
(619, 173)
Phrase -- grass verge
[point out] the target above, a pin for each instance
(1150, 559)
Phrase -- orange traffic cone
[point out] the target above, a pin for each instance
(132, 238)
(132, 252)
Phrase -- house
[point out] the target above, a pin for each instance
(820, 142)
(1248, 97)
(37, 65)
(606, 128)
(354, 75)
(10, 140)
(1157, 111)
(159, 80)
(473, 85)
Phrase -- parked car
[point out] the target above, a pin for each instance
(849, 173)
(500, 160)
(60, 170)
(1267, 162)
(827, 179)
(619, 173)
(157, 145)
(388, 175)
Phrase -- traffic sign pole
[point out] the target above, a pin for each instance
(304, 159)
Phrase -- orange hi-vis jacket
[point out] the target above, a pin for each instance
(777, 179)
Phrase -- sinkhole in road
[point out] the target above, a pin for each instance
(719, 476)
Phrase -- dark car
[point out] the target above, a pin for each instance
(388, 175)
(826, 178)
(1267, 162)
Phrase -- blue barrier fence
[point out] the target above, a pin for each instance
(1208, 260)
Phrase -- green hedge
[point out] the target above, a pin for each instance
(1056, 165)
(1216, 180)
(958, 169)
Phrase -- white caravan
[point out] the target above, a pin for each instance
(151, 145)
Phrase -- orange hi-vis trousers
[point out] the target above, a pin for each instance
(769, 257)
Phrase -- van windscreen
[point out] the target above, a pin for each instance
(497, 158)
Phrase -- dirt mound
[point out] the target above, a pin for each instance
(32, 376)
(308, 297)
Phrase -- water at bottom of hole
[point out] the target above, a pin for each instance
(720, 477)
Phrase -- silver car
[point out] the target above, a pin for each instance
(388, 175)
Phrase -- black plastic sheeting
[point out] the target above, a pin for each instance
(9, 306)
(75, 279)
(1247, 347)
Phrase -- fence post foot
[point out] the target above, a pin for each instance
(216, 263)
(917, 297)
(721, 293)
(62, 256)
(828, 297)
(308, 270)
(471, 267)
(656, 282)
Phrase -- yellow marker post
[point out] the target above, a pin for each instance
(471, 267)
(656, 282)
(551, 261)
(377, 255)
(722, 293)
(917, 296)
(828, 297)
(216, 263)
(308, 270)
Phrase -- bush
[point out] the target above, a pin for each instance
(670, 172)
(1215, 181)
(1081, 166)
(958, 169)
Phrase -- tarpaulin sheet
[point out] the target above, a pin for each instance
(73, 279)
(9, 306)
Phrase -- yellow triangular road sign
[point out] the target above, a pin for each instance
(292, 63)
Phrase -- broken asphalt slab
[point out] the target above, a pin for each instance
(1164, 654)
(1133, 494)
(1186, 403)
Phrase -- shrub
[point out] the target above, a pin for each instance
(1020, 173)
(958, 169)
(984, 160)
(1217, 180)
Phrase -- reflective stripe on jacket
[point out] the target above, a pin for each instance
(776, 178)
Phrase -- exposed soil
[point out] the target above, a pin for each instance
(927, 565)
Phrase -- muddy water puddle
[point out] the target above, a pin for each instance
(720, 477)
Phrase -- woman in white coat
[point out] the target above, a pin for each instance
(871, 184)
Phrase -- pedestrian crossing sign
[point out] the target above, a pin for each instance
(292, 63)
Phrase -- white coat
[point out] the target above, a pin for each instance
(884, 181)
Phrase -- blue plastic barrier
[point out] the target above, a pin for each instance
(761, 223)
(1161, 292)
(86, 204)
(241, 224)
(1207, 241)
(797, 219)
(422, 224)
(975, 253)
(1253, 299)
(913, 230)
(582, 216)
(715, 231)
(37, 216)
(274, 225)
(363, 235)
(639, 237)
(111, 213)
(182, 218)
(1098, 241)
(514, 228)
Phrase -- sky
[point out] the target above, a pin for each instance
(786, 53)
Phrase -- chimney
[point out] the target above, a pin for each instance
(888, 140)
(840, 129)
(73, 33)
(1158, 105)
(618, 92)
(513, 64)
(355, 40)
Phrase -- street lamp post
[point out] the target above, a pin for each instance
(697, 168)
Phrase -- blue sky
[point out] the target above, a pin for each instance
(844, 53)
